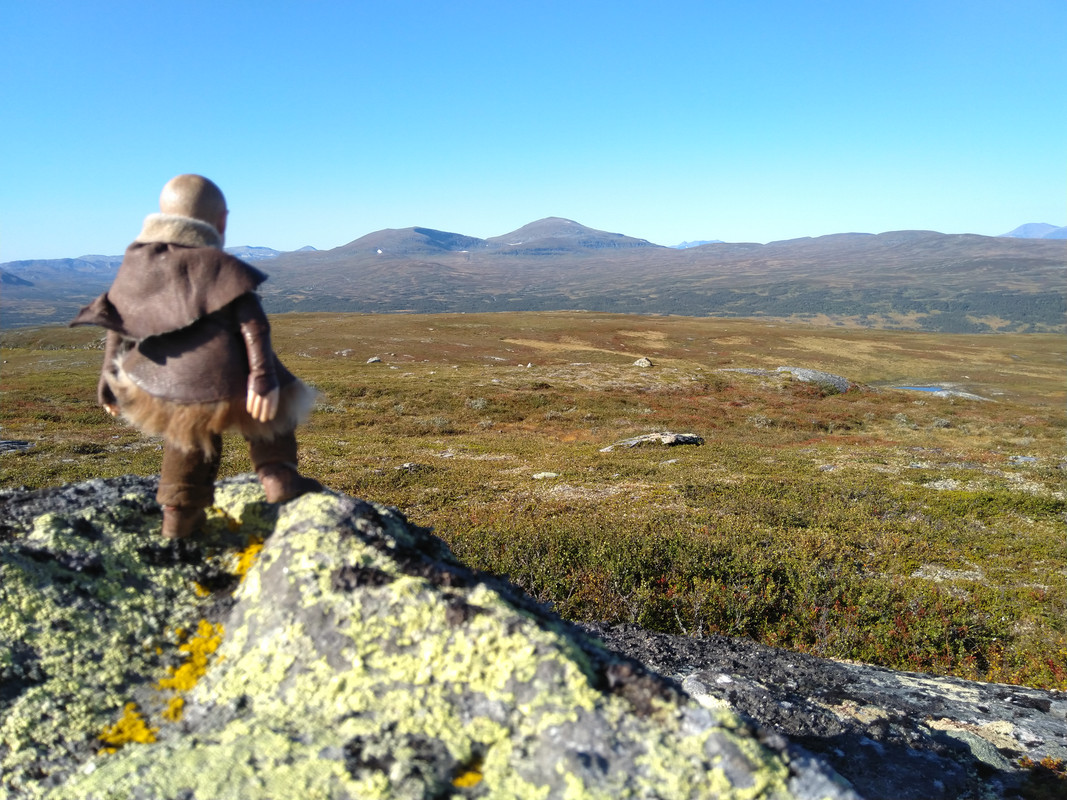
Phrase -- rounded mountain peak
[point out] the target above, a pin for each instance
(412, 242)
(558, 233)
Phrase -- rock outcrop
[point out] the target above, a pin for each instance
(324, 648)
(666, 438)
(893, 735)
(827, 381)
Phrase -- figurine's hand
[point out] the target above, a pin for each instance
(263, 407)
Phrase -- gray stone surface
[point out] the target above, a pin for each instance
(827, 380)
(824, 379)
(893, 735)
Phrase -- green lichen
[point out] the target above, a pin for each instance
(86, 616)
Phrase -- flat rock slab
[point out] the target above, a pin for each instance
(666, 439)
(827, 380)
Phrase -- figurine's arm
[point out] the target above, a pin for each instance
(263, 392)
(104, 395)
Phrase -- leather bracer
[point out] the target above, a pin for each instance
(255, 330)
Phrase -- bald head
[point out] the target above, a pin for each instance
(197, 197)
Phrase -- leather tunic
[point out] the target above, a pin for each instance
(185, 325)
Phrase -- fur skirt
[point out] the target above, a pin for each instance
(192, 426)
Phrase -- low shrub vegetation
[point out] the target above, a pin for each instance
(887, 526)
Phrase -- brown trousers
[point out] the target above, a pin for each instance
(187, 479)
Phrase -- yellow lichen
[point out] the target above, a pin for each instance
(199, 647)
(470, 776)
(131, 727)
(247, 557)
(175, 708)
(205, 642)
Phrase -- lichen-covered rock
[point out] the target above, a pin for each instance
(93, 603)
(893, 735)
(826, 380)
(324, 649)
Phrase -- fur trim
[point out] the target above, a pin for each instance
(176, 229)
(190, 426)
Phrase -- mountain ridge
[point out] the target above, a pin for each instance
(1037, 230)
(914, 279)
(1031, 230)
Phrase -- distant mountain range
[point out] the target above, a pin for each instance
(687, 245)
(1037, 230)
(246, 253)
(920, 280)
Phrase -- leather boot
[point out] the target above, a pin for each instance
(186, 488)
(275, 464)
(282, 483)
(180, 523)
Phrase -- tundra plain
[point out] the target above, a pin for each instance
(890, 526)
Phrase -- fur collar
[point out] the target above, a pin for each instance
(175, 229)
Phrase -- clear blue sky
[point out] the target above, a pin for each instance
(324, 121)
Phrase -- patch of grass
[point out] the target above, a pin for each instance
(814, 567)
(880, 525)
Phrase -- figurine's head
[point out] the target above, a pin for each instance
(197, 197)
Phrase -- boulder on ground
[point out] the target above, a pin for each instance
(666, 438)
(827, 380)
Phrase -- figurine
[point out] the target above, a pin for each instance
(188, 356)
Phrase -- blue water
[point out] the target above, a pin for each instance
(923, 388)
